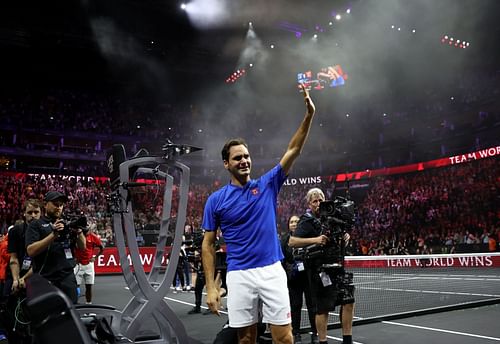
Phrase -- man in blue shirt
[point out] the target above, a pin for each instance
(245, 211)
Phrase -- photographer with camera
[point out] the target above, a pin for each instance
(49, 242)
(322, 247)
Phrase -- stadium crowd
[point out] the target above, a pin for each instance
(433, 211)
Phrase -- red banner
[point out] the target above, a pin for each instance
(452, 160)
(468, 261)
(109, 261)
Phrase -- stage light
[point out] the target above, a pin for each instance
(338, 17)
(392, 26)
(348, 11)
(250, 65)
(183, 6)
(413, 30)
(347, 115)
(250, 24)
(315, 36)
(260, 130)
(399, 29)
(446, 37)
(330, 23)
(272, 46)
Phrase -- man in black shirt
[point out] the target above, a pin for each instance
(322, 281)
(20, 262)
(49, 242)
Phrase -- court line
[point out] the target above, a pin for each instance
(428, 291)
(442, 330)
(341, 340)
(224, 312)
(190, 304)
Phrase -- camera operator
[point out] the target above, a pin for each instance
(49, 242)
(324, 289)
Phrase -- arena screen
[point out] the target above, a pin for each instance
(327, 77)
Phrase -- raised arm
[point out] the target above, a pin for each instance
(299, 138)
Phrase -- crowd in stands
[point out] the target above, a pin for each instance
(433, 211)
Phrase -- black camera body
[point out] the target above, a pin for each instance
(72, 224)
(341, 212)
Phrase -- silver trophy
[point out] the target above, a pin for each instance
(149, 289)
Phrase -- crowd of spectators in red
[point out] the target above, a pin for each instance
(433, 211)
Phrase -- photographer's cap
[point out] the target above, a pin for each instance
(55, 195)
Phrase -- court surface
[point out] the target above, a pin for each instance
(472, 325)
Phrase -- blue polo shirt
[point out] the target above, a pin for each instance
(247, 218)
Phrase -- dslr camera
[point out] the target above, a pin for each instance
(72, 224)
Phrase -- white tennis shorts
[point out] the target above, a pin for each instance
(248, 290)
(84, 273)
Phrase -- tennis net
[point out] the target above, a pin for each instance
(391, 287)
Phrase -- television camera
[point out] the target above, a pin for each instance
(336, 218)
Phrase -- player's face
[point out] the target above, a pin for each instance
(239, 163)
(54, 209)
(292, 224)
(314, 203)
(32, 213)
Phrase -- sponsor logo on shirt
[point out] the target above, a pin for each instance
(255, 191)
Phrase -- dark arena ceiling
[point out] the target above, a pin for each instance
(415, 68)
(125, 40)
